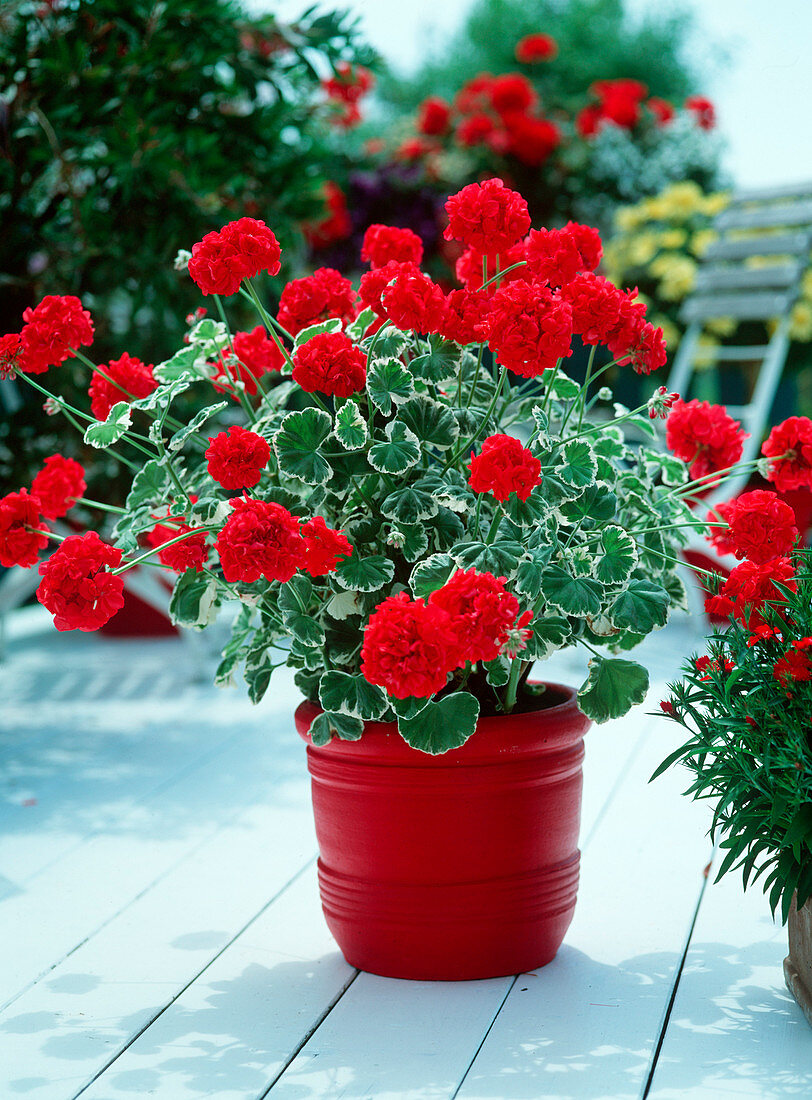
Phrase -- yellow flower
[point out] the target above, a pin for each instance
(680, 200)
(800, 322)
(717, 202)
(673, 238)
(721, 326)
(642, 249)
(806, 284)
(702, 240)
(677, 275)
(629, 218)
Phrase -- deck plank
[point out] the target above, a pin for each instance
(735, 1030)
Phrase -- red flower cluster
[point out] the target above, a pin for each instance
(236, 458)
(465, 310)
(704, 435)
(595, 304)
(761, 526)
(77, 587)
(789, 448)
(529, 327)
(482, 613)
(257, 354)
(373, 283)
(499, 111)
(719, 536)
(794, 665)
(335, 225)
(487, 216)
(11, 353)
(413, 301)
(191, 553)
(556, 256)
(662, 110)
(324, 547)
(383, 243)
(530, 140)
(240, 250)
(409, 647)
(703, 109)
(433, 118)
(127, 379)
(471, 265)
(260, 539)
(619, 101)
(748, 588)
(536, 47)
(21, 536)
(52, 331)
(348, 84)
(58, 485)
(317, 297)
(330, 363)
(504, 466)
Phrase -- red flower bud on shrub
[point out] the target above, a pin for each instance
(58, 485)
(77, 587)
(260, 539)
(330, 363)
(240, 250)
(504, 466)
(237, 457)
(21, 530)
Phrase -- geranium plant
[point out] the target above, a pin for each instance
(747, 707)
(438, 511)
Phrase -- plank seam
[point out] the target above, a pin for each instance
(488, 1030)
(309, 1035)
(677, 979)
(195, 977)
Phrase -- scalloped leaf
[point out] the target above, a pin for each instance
(440, 361)
(390, 343)
(297, 445)
(180, 367)
(398, 452)
(411, 539)
(548, 634)
(194, 600)
(619, 556)
(431, 574)
(345, 727)
(501, 559)
(332, 324)
(441, 725)
(200, 418)
(350, 427)
(388, 383)
(353, 695)
(358, 327)
(368, 574)
(430, 421)
(572, 595)
(409, 505)
(106, 432)
(641, 607)
(578, 465)
(612, 688)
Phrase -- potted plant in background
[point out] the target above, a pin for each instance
(441, 513)
(747, 703)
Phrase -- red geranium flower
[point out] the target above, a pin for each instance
(465, 310)
(260, 539)
(719, 536)
(595, 306)
(77, 587)
(256, 354)
(536, 47)
(762, 526)
(330, 363)
(487, 216)
(620, 100)
(662, 110)
(324, 547)
(704, 435)
(789, 446)
(191, 553)
(53, 330)
(317, 297)
(703, 109)
(58, 485)
(504, 466)
(556, 256)
(236, 458)
(793, 666)
(21, 536)
(648, 352)
(130, 379)
(433, 118)
(474, 95)
(349, 82)
(474, 130)
(749, 586)
(413, 301)
(409, 647)
(373, 283)
(512, 92)
(529, 328)
(531, 140)
(335, 225)
(240, 250)
(11, 353)
(482, 613)
(383, 243)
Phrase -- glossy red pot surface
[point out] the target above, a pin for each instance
(463, 865)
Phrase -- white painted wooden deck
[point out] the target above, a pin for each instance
(161, 936)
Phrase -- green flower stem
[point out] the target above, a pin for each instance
(499, 274)
(494, 527)
(708, 480)
(513, 684)
(269, 321)
(548, 394)
(176, 424)
(380, 332)
(476, 377)
(597, 428)
(478, 510)
(98, 504)
(585, 390)
(681, 561)
(242, 397)
(47, 532)
(464, 450)
(150, 553)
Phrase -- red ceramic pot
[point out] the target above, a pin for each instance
(463, 865)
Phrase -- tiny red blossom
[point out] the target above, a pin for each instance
(761, 526)
(504, 466)
(324, 547)
(409, 647)
(53, 329)
(481, 610)
(529, 328)
(330, 363)
(704, 435)
(127, 378)
(749, 586)
(58, 485)
(317, 297)
(237, 457)
(662, 110)
(588, 120)
(648, 352)
(260, 539)
(22, 534)
(703, 110)
(433, 118)
(190, 553)
(11, 353)
(349, 82)
(77, 586)
(793, 666)
(719, 536)
(666, 706)
(789, 448)
(487, 216)
(536, 47)
(383, 243)
(240, 250)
